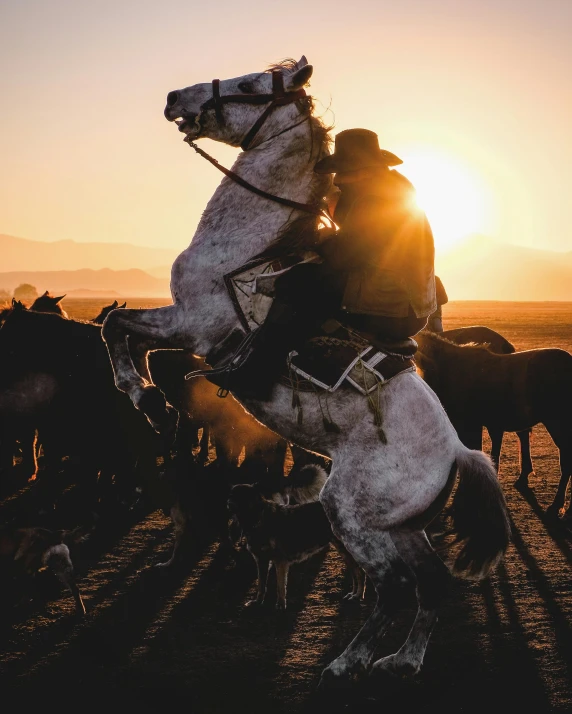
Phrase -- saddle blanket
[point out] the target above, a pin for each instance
(327, 362)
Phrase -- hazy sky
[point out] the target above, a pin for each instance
(481, 85)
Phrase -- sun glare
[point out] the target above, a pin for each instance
(453, 199)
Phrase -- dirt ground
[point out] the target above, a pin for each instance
(153, 639)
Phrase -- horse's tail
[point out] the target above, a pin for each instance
(480, 517)
(304, 485)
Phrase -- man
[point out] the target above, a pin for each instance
(385, 244)
(377, 274)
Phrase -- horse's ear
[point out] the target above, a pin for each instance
(124, 305)
(45, 294)
(115, 304)
(300, 77)
(302, 62)
(57, 299)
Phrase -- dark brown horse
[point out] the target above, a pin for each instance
(49, 303)
(104, 312)
(481, 335)
(510, 392)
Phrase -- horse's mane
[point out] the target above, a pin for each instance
(299, 233)
(288, 63)
(442, 345)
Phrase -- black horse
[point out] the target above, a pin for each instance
(104, 312)
(44, 360)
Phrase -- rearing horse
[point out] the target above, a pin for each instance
(381, 494)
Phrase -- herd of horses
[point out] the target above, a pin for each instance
(47, 407)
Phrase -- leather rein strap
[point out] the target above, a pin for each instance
(307, 207)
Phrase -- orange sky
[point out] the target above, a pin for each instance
(476, 95)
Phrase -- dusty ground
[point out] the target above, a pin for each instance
(152, 639)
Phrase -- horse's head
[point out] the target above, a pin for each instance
(49, 303)
(244, 110)
(106, 310)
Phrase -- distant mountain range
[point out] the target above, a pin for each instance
(18, 254)
(479, 268)
(127, 283)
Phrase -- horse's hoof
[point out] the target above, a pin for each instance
(553, 512)
(393, 666)
(522, 484)
(351, 598)
(163, 566)
(253, 603)
(334, 682)
(161, 415)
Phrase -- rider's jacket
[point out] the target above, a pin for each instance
(385, 245)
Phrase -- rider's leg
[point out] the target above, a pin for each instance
(305, 297)
(380, 327)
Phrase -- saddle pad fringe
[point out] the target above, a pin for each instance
(364, 371)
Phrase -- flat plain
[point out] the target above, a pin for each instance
(151, 639)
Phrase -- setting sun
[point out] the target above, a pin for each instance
(455, 202)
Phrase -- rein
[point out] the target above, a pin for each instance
(307, 207)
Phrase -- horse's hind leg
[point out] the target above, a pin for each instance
(561, 434)
(432, 577)
(377, 555)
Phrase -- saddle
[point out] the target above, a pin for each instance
(341, 354)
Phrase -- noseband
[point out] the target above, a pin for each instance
(278, 98)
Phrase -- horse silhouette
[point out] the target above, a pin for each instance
(49, 303)
(503, 392)
(45, 359)
(104, 312)
(479, 334)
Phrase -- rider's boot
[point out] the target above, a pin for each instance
(271, 344)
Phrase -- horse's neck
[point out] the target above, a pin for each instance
(237, 223)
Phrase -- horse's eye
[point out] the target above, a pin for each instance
(246, 87)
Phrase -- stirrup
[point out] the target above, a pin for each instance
(236, 361)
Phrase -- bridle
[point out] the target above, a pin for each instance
(278, 98)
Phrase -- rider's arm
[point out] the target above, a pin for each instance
(351, 246)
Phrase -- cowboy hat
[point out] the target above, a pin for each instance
(356, 149)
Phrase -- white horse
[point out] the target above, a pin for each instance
(381, 494)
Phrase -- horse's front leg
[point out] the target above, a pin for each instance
(561, 434)
(526, 467)
(496, 436)
(158, 325)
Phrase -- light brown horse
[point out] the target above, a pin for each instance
(503, 392)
